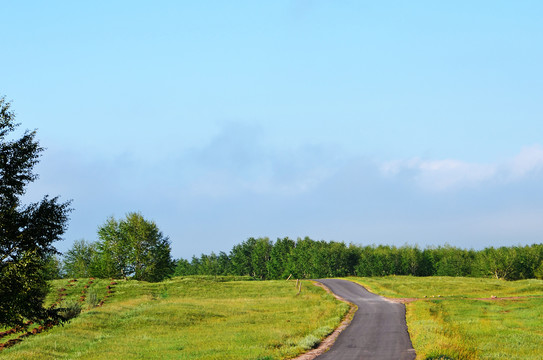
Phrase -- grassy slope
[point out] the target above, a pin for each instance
(451, 322)
(190, 318)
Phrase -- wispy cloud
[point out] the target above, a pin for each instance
(527, 162)
(449, 174)
(239, 185)
(239, 160)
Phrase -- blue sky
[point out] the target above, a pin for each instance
(385, 122)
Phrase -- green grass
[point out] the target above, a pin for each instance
(443, 286)
(451, 323)
(189, 318)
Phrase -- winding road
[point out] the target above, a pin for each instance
(378, 330)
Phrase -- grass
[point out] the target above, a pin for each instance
(450, 322)
(443, 286)
(189, 318)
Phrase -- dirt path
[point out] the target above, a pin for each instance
(378, 330)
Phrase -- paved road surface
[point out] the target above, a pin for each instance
(378, 330)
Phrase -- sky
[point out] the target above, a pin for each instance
(386, 122)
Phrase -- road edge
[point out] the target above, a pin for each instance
(327, 342)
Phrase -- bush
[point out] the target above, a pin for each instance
(70, 310)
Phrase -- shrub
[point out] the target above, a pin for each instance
(70, 310)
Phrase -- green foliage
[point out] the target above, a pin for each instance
(538, 273)
(134, 247)
(183, 268)
(116, 249)
(260, 256)
(70, 310)
(307, 258)
(52, 267)
(510, 263)
(82, 260)
(22, 284)
(241, 256)
(277, 265)
(27, 232)
(453, 262)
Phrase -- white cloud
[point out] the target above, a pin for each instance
(529, 160)
(239, 185)
(439, 175)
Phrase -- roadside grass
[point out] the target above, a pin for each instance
(443, 286)
(451, 323)
(190, 318)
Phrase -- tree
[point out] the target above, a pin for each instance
(241, 257)
(82, 260)
(26, 232)
(182, 268)
(115, 249)
(53, 268)
(260, 257)
(209, 264)
(135, 247)
(300, 262)
(279, 258)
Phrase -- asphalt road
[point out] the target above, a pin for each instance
(378, 330)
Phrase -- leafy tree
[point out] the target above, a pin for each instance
(135, 247)
(410, 260)
(82, 260)
(319, 261)
(53, 268)
(453, 261)
(426, 265)
(340, 259)
(195, 265)
(277, 266)
(300, 260)
(26, 232)
(260, 257)
(209, 264)
(116, 250)
(241, 256)
(182, 268)
(497, 262)
(224, 263)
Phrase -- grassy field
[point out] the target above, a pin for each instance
(187, 318)
(459, 318)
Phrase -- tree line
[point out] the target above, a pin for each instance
(305, 258)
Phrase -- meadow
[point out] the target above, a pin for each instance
(203, 317)
(469, 318)
(185, 318)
